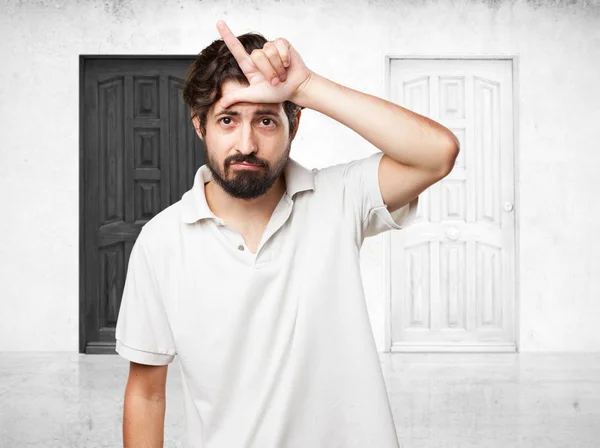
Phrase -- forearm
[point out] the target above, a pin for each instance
(406, 137)
(143, 421)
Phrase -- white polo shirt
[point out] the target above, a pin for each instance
(276, 348)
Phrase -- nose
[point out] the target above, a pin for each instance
(247, 140)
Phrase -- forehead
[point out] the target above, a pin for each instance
(230, 87)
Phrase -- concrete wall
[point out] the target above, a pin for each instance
(557, 159)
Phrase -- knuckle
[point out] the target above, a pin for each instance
(271, 52)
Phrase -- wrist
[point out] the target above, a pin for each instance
(303, 92)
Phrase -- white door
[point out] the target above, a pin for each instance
(452, 273)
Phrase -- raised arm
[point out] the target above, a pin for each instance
(418, 151)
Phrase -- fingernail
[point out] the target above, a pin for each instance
(275, 81)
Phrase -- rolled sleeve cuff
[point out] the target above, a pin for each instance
(142, 356)
(400, 218)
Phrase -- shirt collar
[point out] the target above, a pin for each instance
(195, 207)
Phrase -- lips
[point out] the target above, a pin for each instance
(246, 164)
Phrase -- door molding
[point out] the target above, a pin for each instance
(84, 178)
(387, 277)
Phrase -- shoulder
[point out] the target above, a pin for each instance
(161, 228)
(348, 172)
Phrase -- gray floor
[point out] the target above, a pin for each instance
(439, 400)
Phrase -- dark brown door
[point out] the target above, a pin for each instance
(139, 154)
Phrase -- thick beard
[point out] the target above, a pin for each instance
(247, 184)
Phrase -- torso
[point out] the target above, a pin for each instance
(293, 319)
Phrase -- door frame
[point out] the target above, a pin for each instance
(83, 60)
(387, 242)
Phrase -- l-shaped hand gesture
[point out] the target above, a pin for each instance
(276, 72)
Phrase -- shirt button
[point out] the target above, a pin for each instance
(240, 247)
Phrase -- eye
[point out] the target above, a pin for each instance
(268, 119)
(225, 118)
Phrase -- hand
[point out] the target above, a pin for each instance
(276, 60)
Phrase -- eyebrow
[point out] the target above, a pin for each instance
(257, 112)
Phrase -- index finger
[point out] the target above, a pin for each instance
(235, 46)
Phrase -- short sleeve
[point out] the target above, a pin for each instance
(143, 332)
(361, 186)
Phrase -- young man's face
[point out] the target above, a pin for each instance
(253, 133)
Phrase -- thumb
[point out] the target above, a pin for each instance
(246, 95)
(231, 99)
(227, 101)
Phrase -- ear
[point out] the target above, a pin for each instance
(196, 123)
(298, 114)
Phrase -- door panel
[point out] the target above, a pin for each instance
(139, 155)
(453, 272)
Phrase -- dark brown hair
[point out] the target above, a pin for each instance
(212, 68)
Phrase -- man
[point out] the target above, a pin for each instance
(253, 277)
